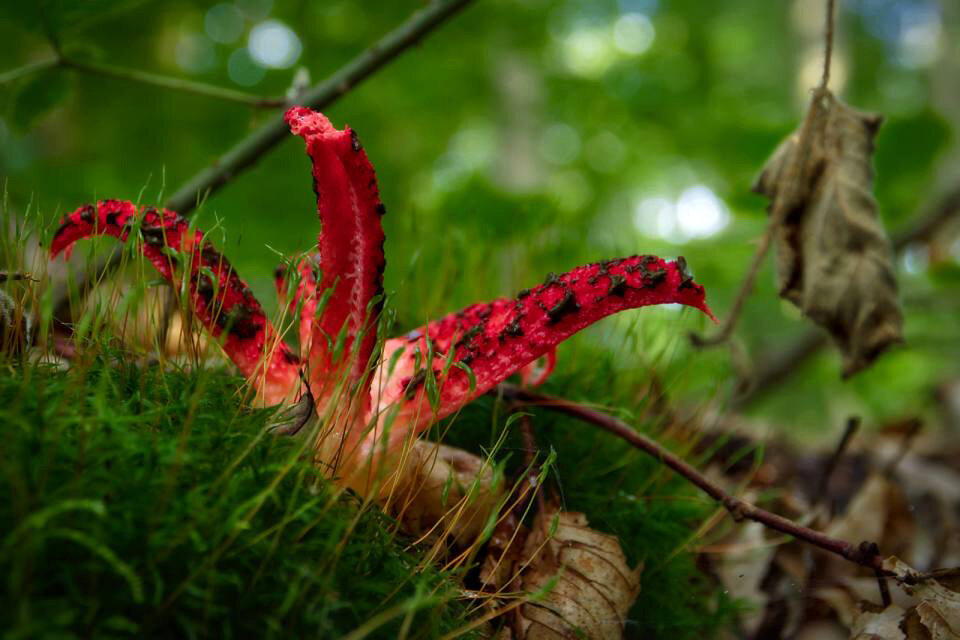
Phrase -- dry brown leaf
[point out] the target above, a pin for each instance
(872, 623)
(834, 259)
(933, 612)
(936, 615)
(880, 512)
(440, 490)
(578, 581)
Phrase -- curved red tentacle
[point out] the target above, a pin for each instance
(444, 331)
(533, 375)
(351, 251)
(498, 338)
(220, 299)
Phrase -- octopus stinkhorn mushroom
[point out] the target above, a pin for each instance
(372, 395)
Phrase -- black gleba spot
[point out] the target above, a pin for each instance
(566, 305)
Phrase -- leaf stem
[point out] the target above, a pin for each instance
(172, 83)
(864, 554)
(28, 69)
(778, 209)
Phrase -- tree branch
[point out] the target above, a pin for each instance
(246, 152)
(143, 77)
(864, 554)
(27, 69)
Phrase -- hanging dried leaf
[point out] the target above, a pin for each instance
(579, 583)
(834, 258)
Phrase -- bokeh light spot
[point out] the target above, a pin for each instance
(274, 45)
(243, 70)
(223, 23)
(194, 53)
(560, 143)
(633, 34)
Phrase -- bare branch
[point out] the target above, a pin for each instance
(143, 77)
(172, 83)
(246, 152)
(864, 554)
(27, 69)
(828, 44)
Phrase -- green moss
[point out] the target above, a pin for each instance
(144, 502)
(150, 501)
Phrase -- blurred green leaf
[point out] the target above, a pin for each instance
(37, 95)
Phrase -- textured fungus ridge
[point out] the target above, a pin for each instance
(487, 342)
(350, 245)
(219, 298)
(499, 338)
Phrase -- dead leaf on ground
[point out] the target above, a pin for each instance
(933, 613)
(441, 491)
(873, 623)
(577, 580)
(834, 260)
(880, 513)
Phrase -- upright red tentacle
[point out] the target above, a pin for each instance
(351, 251)
(497, 339)
(305, 297)
(220, 299)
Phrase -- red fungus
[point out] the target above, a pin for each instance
(351, 249)
(493, 340)
(498, 339)
(220, 299)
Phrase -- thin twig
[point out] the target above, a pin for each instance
(863, 554)
(143, 77)
(27, 69)
(827, 44)
(853, 424)
(784, 199)
(16, 275)
(246, 152)
(746, 287)
(172, 83)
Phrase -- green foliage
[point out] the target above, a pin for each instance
(146, 502)
(36, 95)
